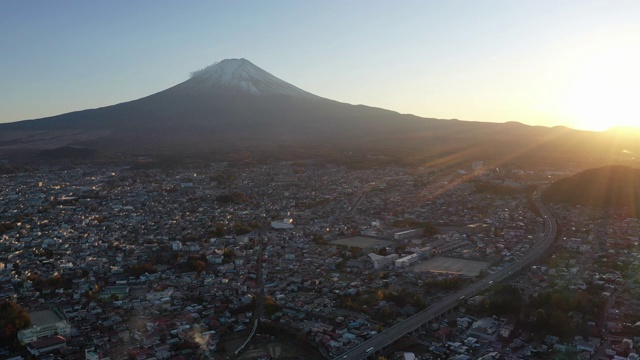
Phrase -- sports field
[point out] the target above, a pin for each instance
(451, 266)
(362, 242)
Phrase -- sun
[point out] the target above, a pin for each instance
(604, 91)
(599, 103)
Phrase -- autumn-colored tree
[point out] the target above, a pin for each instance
(197, 265)
(318, 238)
(270, 306)
(12, 319)
(355, 251)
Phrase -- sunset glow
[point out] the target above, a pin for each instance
(605, 91)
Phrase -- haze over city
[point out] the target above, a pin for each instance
(570, 63)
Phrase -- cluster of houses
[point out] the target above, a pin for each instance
(118, 262)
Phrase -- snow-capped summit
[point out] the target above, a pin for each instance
(241, 76)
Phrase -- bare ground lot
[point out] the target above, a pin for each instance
(362, 242)
(452, 266)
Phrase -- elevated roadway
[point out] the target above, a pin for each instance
(379, 342)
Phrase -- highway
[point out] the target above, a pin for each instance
(370, 347)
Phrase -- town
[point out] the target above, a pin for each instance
(307, 259)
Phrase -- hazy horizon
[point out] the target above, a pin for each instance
(543, 63)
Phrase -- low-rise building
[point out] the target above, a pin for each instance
(44, 323)
(407, 260)
(46, 345)
(381, 262)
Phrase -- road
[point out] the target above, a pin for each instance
(370, 347)
(365, 191)
(260, 296)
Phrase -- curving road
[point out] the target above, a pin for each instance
(370, 347)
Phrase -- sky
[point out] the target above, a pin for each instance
(542, 62)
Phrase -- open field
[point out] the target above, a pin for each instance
(452, 265)
(362, 242)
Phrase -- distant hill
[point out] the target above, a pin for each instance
(605, 187)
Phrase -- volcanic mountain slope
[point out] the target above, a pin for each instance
(234, 104)
(229, 102)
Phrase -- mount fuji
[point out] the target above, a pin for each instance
(234, 105)
(230, 103)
